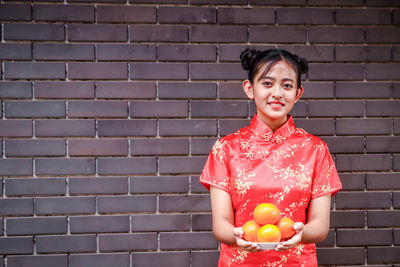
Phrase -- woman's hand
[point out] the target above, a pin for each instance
(246, 245)
(292, 242)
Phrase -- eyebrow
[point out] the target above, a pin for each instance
(268, 77)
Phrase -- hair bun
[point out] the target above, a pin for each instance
(247, 57)
(303, 63)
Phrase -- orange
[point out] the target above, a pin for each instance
(269, 233)
(250, 229)
(285, 224)
(266, 213)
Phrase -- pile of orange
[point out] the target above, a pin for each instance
(267, 225)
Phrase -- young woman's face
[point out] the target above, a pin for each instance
(275, 93)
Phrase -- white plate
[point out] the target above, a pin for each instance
(266, 246)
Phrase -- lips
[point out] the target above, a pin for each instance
(276, 104)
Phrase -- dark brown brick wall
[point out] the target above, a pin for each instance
(109, 108)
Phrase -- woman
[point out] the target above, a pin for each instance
(271, 161)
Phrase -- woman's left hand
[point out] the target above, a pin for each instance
(292, 242)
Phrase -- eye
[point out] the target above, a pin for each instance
(287, 85)
(266, 83)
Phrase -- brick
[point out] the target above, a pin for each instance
(353, 181)
(97, 32)
(127, 127)
(37, 261)
(319, 34)
(363, 200)
(378, 35)
(90, 147)
(318, 90)
(159, 146)
(196, 186)
(104, 260)
(192, 15)
(277, 34)
(16, 245)
(160, 222)
(110, 108)
(187, 90)
(201, 146)
(329, 240)
(170, 258)
(219, 2)
(15, 12)
(313, 53)
(396, 90)
(2, 225)
(159, 184)
(329, 256)
(15, 206)
(187, 52)
(217, 71)
(64, 166)
(382, 71)
(69, 90)
(35, 32)
(161, 71)
(14, 167)
(127, 204)
(126, 14)
(65, 205)
(172, 108)
(231, 52)
(78, 13)
(64, 128)
(383, 181)
(34, 70)
(345, 144)
(363, 16)
(381, 3)
(196, 127)
(15, 128)
(97, 71)
(158, 33)
(396, 128)
(396, 200)
(124, 166)
(364, 237)
(328, 108)
(383, 218)
(299, 110)
(35, 186)
(201, 222)
(36, 226)
(218, 34)
(363, 53)
(132, 89)
(184, 203)
(347, 219)
(363, 126)
(363, 90)
(364, 162)
(317, 126)
(96, 1)
(95, 224)
(15, 51)
(229, 126)
(335, 3)
(172, 165)
(304, 16)
(219, 108)
(127, 242)
(15, 90)
(35, 148)
(159, 1)
(383, 108)
(66, 244)
(383, 255)
(396, 17)
(335, 71)
(63, 51)
(232, 90)
(246, 16)
(396, 162)
(98, 186)
(126, 52)
(180, 241)
(205, 258)
(384, 144)
(396, 236)
(21, 109)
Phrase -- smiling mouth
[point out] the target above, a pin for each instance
(276, 104)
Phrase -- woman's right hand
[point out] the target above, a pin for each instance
(244, 244)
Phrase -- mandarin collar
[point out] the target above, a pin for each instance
(262, 130)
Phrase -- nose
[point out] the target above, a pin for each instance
(276, 92)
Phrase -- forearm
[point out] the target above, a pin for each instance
(314, 231)
(223, 232)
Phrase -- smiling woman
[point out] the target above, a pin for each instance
(271, 161)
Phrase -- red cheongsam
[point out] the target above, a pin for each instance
(288, 168)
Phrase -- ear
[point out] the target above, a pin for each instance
(248, 89)
(299, 93)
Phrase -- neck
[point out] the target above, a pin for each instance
(274, 124)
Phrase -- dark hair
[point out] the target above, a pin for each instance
(253, 61)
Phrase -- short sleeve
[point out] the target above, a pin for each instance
(326, 179)
(216, 170)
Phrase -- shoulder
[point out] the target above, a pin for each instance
(314, 140)
(231, 140)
